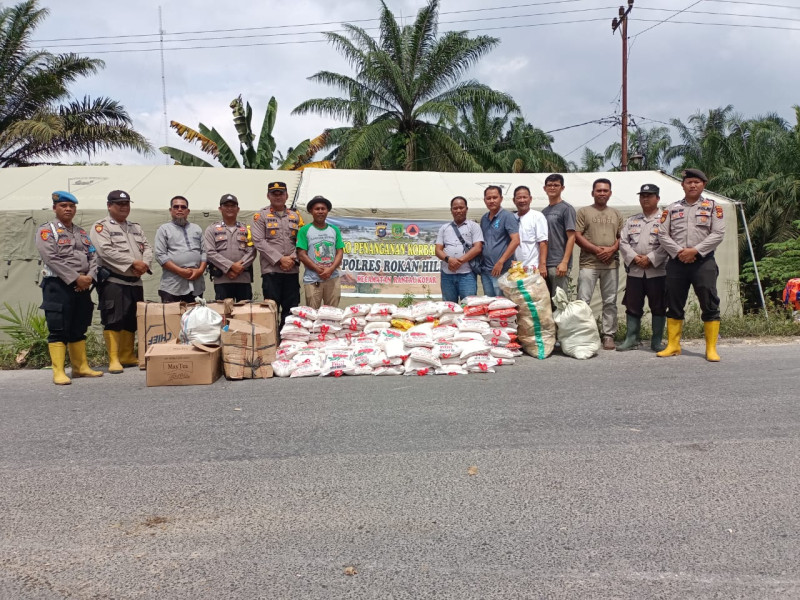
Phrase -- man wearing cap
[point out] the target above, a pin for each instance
(644, 261)
(275, 237)
(181, 252)
(690, 231)
(123, 256)
(230, 253)
(70, 268)
(320, 248)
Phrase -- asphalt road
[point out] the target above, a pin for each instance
(625, 476)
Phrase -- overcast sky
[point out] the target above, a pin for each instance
(557, 58)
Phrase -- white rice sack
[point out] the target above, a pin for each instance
(500, 352)
(337, 363)
(446, 350)
(385, 335)
(416, 337)
(467, 336)
(382, 309)
(449, 308)
(500, 303)
(477, 300)
(378, 318)
(477, 359)
(305, 312)
(336, 344)
(287, 351)
(403, 312)
(293, 331)
(448, 319)
(424, 355)
(395, 349)
(577, 329)
(316, 345)
(474, 347)
(354, 323)
(472, 325)
(517, 352)
(394, 370)
(325, 326)
(299, 322)
(329, 313)
(413, 367)
(363, 370)
(366, 354)
(376, 326)
(497, 337)
(283, 368)
(424, 311)
(306, 370)
(455, 369)
(444, 333)
(322, 337)
(357, 310)
(500, 362)
(381, 360)
(307, 357)
(504, 322)
(481, 368)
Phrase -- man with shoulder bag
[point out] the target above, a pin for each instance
(458, 245)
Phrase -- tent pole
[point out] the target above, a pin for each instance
(753, 256)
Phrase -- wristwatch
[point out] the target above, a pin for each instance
(446, 258)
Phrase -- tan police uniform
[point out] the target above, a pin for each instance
(226, 245)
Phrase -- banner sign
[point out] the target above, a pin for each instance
(389, 257)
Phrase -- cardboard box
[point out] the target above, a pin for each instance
(261, 314)
(223, 307)
(182, 364)
(248, 350)
(157, 323)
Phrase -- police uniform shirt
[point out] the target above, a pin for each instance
(226, 245)
(66, 251)
(639, 236)
(275, 236)
(184, 246)
(700, 225)
(118, 245)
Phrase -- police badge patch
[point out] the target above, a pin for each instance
(664, 216)
(98, 228)
(45, 233)
(718, 210)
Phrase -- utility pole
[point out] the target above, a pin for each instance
(163, 84)
(615, 24)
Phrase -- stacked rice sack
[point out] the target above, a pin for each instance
(537, 330)
(383, 339)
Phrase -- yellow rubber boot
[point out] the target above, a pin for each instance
(58, 353)
(674, 330)
(127, 357)
(80, 364)
(711, 329)
(112, 346)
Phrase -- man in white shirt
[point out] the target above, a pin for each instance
(532, 249)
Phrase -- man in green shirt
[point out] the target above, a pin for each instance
(320, 248)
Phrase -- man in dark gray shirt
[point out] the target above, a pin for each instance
(180, 251)
(500, 240)
(561, 234)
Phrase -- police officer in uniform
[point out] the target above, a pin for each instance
(123, 256)
(690, 231)
(231, 253)
(70, 269)
(644, 261)
(275, 237)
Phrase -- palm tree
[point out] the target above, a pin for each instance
(591, 161)
(258, 157)
(36, 120)
(528, 149)
(405, 94)
(651, 146)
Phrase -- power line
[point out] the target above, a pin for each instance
(756, 4)
(589, 141)
(722, 14)
(667, 19)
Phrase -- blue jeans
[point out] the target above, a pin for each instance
(490, 285)
(457, 287)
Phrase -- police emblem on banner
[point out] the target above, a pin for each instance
(397, 230)
(380, 229)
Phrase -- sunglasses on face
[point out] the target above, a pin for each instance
(180, 207)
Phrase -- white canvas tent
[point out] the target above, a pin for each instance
(426, 195)
(25, 204)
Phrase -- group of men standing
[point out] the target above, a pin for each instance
(662, 256)
(115, 253)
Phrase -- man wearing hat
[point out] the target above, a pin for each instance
(230, 253)
(321, 249)
(123, 256)
(644, 260)
(181, 252)
(70, 268)
(275, 237)
(690, 231)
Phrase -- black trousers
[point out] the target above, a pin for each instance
(700, 275)
(639, 288)
(166, 297)
(118, 305)
(237, 291)
(68, 313)
(284, 289)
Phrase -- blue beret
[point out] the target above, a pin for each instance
(64, 197)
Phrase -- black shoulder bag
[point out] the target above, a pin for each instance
(475, 263)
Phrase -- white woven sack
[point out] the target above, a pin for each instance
(201, 325)
(577, 329)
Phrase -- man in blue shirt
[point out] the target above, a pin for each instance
(500, 240)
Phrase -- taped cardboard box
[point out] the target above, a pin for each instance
(223, 307)
(248, 350)
(157, 323)
(262, 314)
(182, 364)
